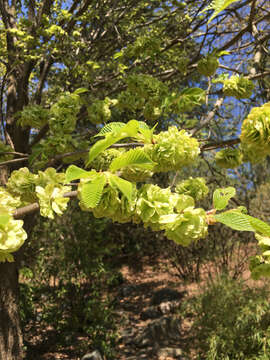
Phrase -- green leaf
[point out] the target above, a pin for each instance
(189, 98)
(235, 220)
(133, 157)
(73, 172)
(4, 218)
(118, 55)
(259, 225)
(124, 186)
(129, 130)
(146, 132)
(91, 192)
(143, 125)
(221, 197)
(80, 91)
(239, 221)
(109, 128)
(218, 6)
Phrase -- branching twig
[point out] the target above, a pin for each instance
(220, 144)
(13, 161)
(210, 116)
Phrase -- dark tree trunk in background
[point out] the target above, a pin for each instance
(11, 340)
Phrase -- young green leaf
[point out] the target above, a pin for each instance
(73, 172)
(129, 130)
(235, 220)
(145, 134)
(124, 186)
(109, 128)
(259, 225)
(242, 222)
(221, 197)
(218, 6)
(80, 91)
(91, 192)
(133, 157)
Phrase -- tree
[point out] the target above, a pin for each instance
(69, 67)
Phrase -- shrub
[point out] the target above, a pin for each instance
(230, 322)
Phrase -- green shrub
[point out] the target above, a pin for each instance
(68, 287)
(230, 322)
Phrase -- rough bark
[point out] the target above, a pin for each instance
(11, 340)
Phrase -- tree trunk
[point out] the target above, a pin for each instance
(11, 336)
(11, 340)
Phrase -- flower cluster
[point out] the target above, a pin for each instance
(99, 112)
(12, 237)
(143, 92)
(34, 116)
(260, 264)
(255, 133)
(194, 187)
(112, 204)
(229, 158)
(173, 149)
(63, 114)
(153, 202)
(208, 65)
(104, 159)
(185, 227)
(238, 86)
(45, 187)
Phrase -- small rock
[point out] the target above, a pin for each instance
(166, 352)
(150, 313)
(160, 331)
(127, 335)
(95, 355)
(166, 294)
(127, 290)
(168, 307)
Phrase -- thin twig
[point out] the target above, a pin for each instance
(13, 161)
(28, 209)
(12, 153)
(219, 144)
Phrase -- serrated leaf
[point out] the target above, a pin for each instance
(109, 128)
(91, 192)
(259, 225)
(243, 222)
(221, 197)
(124, 186)
(129, 130)
(73, 172)
(235, 220)
(217, 6)
(133, 157)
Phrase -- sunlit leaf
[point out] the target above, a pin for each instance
(123, 185)
(91, 192)
(73, 172)
(221, 197)
(133, 157)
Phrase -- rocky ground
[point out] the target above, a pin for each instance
(149, 319)
(147, 314)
